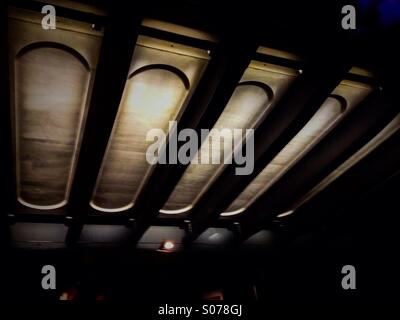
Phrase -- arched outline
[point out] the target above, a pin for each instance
(166, 67)
(342, 101)
(53, 45)
(343, 107)
(186, 82)
(270, 95)
(262, 85)
(177, 211)
(233, 212)
(112, 210)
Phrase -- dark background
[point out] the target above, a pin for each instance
(302, 263)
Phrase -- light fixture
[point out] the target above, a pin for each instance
(64, 296)
(285, 214)
(167, 246)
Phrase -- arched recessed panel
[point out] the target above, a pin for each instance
(345, 97)
(160, 82)
(177, 72)
(151, 99)
(245, 106)
(51, 77)
(323, 119)
(51, 83)
(249, 103)
(54, 45)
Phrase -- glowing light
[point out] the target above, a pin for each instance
(168, 245)
(160, 80)
(285, 214)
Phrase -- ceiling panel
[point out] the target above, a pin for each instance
(162, 77)
(156, 235)
(51, 80)
(104, 234)
(214, 238)
(346, 96)
(38, 235)
(261, 85)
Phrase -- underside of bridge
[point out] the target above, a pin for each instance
(320, 103)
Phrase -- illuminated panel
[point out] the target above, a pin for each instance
(347, 95)
(161, 79)
(51, 81)
(390, 129)
(261, 84)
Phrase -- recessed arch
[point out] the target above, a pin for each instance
(324, 119)
(342, 101)
(153, 96)
(162, 79)
(166, 67)
(268, 90)
(51, 84)
(249, 103)
(55, 45)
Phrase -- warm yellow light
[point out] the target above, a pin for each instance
(162, 77)
(168, 245)
(151, 98)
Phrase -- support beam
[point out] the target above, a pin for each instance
(354, 187)
(115, 57)
(290, 114)
(108, 220)
(352, 133)
(65, 12)
(8, 190)
(208, 102)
